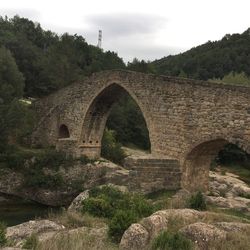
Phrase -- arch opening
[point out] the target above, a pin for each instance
(108, 109)
(63, 132)
(198, 162)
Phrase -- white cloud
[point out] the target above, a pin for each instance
(138, 28)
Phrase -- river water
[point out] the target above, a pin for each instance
(14, 210)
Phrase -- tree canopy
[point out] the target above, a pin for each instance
(210, 60)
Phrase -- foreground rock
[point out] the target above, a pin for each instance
(140, 235)
(202, 234)
(76, 204)
(17, 234)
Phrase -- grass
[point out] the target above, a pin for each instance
(161, 199)
(77, 241)
(235, 240)
(171, 241)
(74, 220)
(230, 214)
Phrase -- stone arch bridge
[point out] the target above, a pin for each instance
(188, 121)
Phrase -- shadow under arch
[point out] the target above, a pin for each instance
(96, 117)
(63, 132)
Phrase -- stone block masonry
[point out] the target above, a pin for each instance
(188, 121)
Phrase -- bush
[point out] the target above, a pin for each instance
(97, 207)
(36, 178)
(3, 239)
(197, 201)
(121, 208)
(171, 241)
(31, 242)
(120, 222)
(111, 149)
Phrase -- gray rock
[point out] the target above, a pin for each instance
(135, 237)
(77, 202)
(202, 234)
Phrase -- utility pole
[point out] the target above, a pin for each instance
(99, 45)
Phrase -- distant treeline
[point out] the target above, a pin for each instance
(210, 60)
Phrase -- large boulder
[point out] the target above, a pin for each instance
(18, 233)
(202, 234)
(232, 226)
(76, 204)
(135, 237)
(154, 224)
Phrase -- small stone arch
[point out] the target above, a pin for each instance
(63, 132)
(195, 169)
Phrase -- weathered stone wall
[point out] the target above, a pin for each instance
(152, 174)
(180, 114)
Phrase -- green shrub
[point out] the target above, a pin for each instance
(36, 178)
(121, 208)
(120, 222)
(111, 149)
(97, 207)
(53, 159)
(31, 242)
(171, 241)
(197, 201)
(3, 239)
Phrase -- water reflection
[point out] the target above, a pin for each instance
(14, 210)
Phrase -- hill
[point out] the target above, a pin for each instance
(49, 61)
(210, 60)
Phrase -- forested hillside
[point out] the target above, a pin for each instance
(48, 61)
(210, 60)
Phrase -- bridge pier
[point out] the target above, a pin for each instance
(71, 147)
(152, 174)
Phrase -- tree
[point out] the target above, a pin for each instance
(11, 79)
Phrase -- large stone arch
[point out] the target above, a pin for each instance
(96, 116)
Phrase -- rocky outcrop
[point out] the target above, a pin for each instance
(17, 234)
(190, 223)
(228, 191)
(77, 177)
(76, 204)
(139, 236)
(202, 234)
(136, 237)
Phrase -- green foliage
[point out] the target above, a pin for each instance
(210, 60)
(37, 178)
(111, 149)
(98, 207)
(120, 208)
(3, 239)
(234, 78)
(140, 66)
(20, 121)
(11, 79)
(31, 242)
(120, 222)
(49, 62)
(171, 241)
(197, 201)
(127, 121)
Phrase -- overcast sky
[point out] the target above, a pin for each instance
(138, 28)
